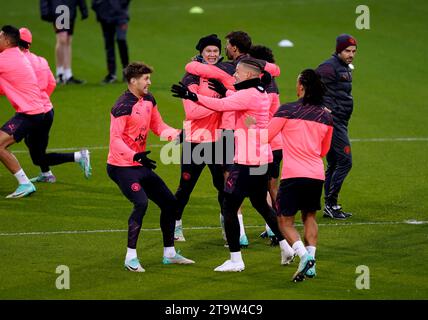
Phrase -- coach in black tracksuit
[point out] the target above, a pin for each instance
(336, 75)
(114, 17)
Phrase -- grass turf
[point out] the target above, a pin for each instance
(388, 182)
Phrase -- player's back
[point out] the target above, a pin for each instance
(19, 82)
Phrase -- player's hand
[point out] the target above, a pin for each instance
(217, 86)
(141, 157)
(198, 58)
(181, 91)
(250, 121)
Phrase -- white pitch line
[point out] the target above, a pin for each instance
(161, 145)
(346, 224)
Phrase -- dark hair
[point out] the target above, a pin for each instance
(240, 39)
(23, 44)
(262, 52)
(314, 88)
(253, 63)
(12, 34)
(136, 70)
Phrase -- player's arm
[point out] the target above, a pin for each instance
(275, 126)
(235, 102)
(193, 110)
(208, 71)
(117, 145)
(326, 142)
(51, 82)
(273, 69)
(160, 128)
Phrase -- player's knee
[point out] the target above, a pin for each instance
(140, 207)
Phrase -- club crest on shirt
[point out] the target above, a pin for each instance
(135, 187)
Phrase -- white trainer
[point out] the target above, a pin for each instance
(230, 266)
(286, 259)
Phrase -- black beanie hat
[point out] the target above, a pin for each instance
(211, 40)
(344, 41)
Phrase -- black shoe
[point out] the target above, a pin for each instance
(74, 80)
(60, 79)
(110, 78)
(334, 212)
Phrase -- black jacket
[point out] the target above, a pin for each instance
(48, 8)
(337, 78)
(111, 11)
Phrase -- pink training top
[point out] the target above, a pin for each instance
(222, 71)
(273, 92)
(250, 102)
(19, 83)
(306, 134)
(201, 124)
(131, 120)
(44, 76)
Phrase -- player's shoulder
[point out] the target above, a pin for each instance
(227, 67)
(287, 110)
(189, 79)
(149, 97)
(124, 104)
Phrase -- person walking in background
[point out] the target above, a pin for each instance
(114, 17)
(54, 11)
(336, 75)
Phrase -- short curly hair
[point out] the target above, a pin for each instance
(136, 70)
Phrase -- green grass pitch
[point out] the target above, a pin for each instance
(387, 185)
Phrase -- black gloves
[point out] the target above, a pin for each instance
(217, 86)
(181, 91)
(141, 157)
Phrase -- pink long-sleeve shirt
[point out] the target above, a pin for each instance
(251, 147)
(19, 83)
(223, 72)
(306, 135)
(201, 124)
(273, 92)
(44, 77)
(131, 119)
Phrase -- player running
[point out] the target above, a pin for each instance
(38, 141)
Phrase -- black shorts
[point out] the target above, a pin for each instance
(296, 194)
(243, 182)
(69, 30)
(274, 167)
(21, 125)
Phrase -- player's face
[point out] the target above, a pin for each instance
(142, 84)
(300, 90)
(229, 50)
(3, 41)
(348, 54)
(241, 73)
(211, 54)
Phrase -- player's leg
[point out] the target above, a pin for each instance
(60, 48)
(291, 197)
(159, 193)
(341, 150)
(108, 34)
(129, 182)
(190, 173)
(235, 193)
(121, 30)
(13, 131)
